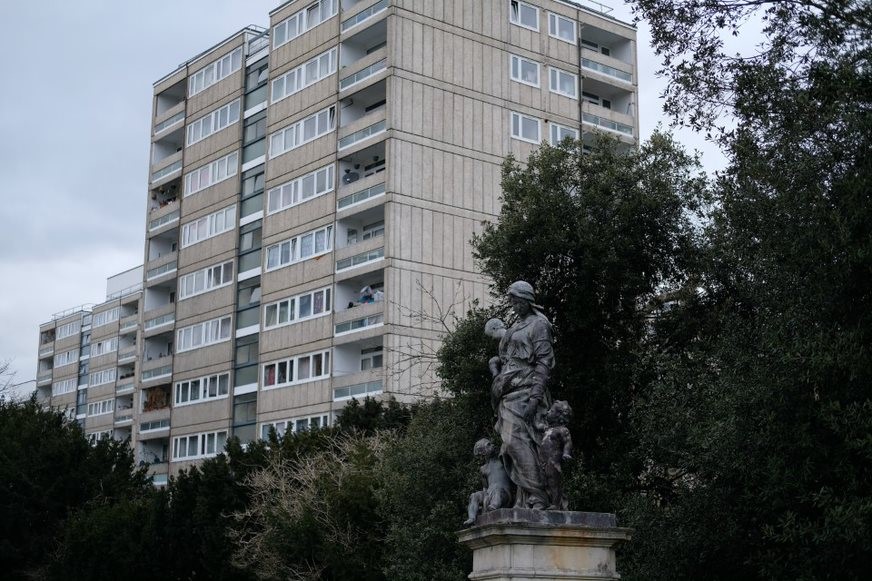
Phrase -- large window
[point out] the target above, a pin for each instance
(99, 408)
(561, 27)
(66, 358)
(208, 226)
(101, 377)
(561, 132)
(104, 347)
(306, 19)
(62, 387)
(211, 173)
(303, 188)
(202, 389)
(524, 14)
(203, 334)
(563, 83)
(105, 317)
(525, 71)
(197, 446)
(68, 330)
(525, 128)
(214, 72)
(304, 75)
(298, 369)
(298, 308)
(213, 122)
(205, 280)
(302, 132)
(294, 425)
(299, 248)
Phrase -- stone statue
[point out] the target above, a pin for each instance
(556, 449)
(496, 488)
(520, 395)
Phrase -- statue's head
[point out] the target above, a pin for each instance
(484, 448)
(559, 413)
(494, 328)
(521, 296)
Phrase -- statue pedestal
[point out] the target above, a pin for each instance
(526, 545)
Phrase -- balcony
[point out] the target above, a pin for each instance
(46, 351)
(125, 385)
(154, 428)
(165, 215)
(156, 369)
(356, 13)
(358, 362)
(621, 129)
(350, 202)
(173, 117)
(170, 101)
(44, 377)
(165, 266)
(357, 168)
(173, 165)
(353, 78)
(128, 323)
(361, 316)
(592, 62)
(127, 354)
(156, 398)
(359, 260)
(358, 390)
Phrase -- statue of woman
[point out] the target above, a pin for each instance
(520, 394)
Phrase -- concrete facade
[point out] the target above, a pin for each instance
(354, 144)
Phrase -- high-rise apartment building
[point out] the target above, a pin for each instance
(313, 190)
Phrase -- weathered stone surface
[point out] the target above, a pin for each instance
(527, 545)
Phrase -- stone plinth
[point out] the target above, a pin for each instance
(526, 545)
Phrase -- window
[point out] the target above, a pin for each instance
(99, 408)
(68, 330)
(524, 14)
(298, 369)
(563, 83)
(208, 226)
(299, 248)
(525, 128)
(302, 132)
(294, 425)
(101, 377)
(560, 132)
(203, 334)
(525, 71)
(298, 308)
(373, 230)
(304, 75)
(104, 347)
(213, 122)
(62, 387)
(105, 317)
(302, 21)
(211, 173)
(596, 100)
(561, 27)
(597, 47)
(297, 191)
(95, 437)
(214, 72)
(202, 389)
(205, 280)
(66, 358)
(199, 445)
(371, 358)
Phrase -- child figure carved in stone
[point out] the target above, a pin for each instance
(495, 492)
(556, 448)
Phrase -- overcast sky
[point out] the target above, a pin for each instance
(74, 141)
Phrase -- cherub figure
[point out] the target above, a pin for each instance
(556, 449)
(495, 492)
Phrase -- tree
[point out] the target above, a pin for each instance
(48, 470)
(755, 421)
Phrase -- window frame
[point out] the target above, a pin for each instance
(296, 133)
(186, 387)
(204, 330)
(520, 135)
(295, 248)
(554, 75)
(520, 78)
(291, 367)
(190, 233)
(519, 20)
(554, 28)
(559, 126)
(208, 274)
(213, 172)
(292, 308)
(217, 70)
(214, 120)
(301, 22)
(295, 189)
(300, 80)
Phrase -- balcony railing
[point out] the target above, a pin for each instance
(164, 371)
(258, 43)
(606, 70)
(361, 196)
(164, 172)
(363, 74)
(607, 124)
(360, 324)
(42, 377)
(163, 220)
(180, 116)
(130, 324)
(360, 259)
(43, 351)
(160, 321)
(364, 15)
(161, 270)
(364, 133)
(358, 390)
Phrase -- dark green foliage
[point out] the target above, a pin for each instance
(428, 476)
(47, 470)
(372, 415)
